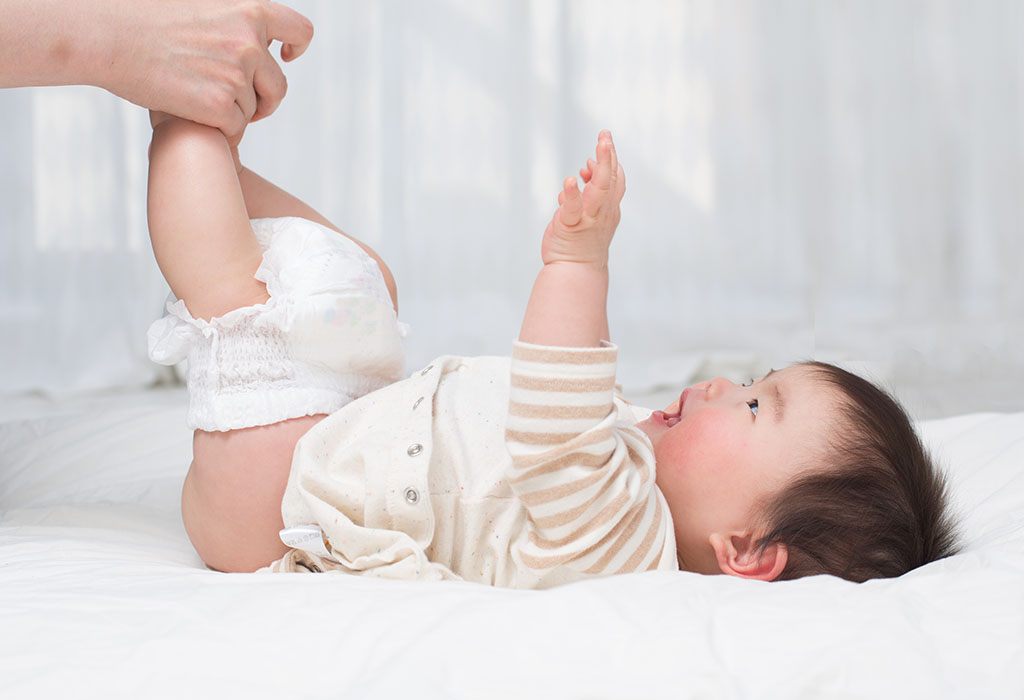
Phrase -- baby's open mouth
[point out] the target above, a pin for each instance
(671, 418)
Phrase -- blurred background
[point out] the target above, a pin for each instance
(805, 179)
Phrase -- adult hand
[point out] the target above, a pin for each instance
(204, 60)
(208, 60)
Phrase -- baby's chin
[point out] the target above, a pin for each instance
(653, 428)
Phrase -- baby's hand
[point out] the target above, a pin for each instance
(582, 228)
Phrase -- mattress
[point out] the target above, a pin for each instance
(101, 595)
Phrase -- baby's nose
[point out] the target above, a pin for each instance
(716, 387)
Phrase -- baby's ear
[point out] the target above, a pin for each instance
(737, 556)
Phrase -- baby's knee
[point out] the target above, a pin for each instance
(385, 271)
(389, 281)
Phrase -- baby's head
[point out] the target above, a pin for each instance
(808, 470)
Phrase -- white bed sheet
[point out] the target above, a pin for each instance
(101, 595)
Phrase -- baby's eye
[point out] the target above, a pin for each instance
(752, 404)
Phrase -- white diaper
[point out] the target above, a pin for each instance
(327, 335)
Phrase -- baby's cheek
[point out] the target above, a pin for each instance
(705, 438)
(710, 451)
(680, 457)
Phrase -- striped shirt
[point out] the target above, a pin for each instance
(585, 477)
(526, 472)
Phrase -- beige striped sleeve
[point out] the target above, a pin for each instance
(585, 478)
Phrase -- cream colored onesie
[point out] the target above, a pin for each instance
(526, 475)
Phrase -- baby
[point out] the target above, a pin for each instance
(311, 453)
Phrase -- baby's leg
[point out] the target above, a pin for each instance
(206, 249)
(265, 199)
(231, 500)
(198, 223)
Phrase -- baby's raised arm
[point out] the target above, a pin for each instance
(567, 307)
(586, 480)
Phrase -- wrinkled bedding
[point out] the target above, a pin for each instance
(101, 595)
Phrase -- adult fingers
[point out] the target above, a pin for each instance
(245, 99)
(289, 27)
(270, 86)
(235, 121)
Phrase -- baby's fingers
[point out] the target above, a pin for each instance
(614, 167)
(588, 170)
(602, 174)
(570, 203)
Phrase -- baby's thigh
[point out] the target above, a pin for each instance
(231, 501)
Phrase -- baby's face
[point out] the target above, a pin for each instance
(722, 447)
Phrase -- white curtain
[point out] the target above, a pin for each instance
(805, 179)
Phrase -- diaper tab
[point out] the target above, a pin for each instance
(308, 538)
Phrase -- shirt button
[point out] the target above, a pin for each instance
(412, 496)
(428, 368)
(414, 449)
(418, 402)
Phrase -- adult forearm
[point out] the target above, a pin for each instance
(203, 60)
(53, 42)
(567, 307)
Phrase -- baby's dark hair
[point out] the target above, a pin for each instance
(878, 509)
